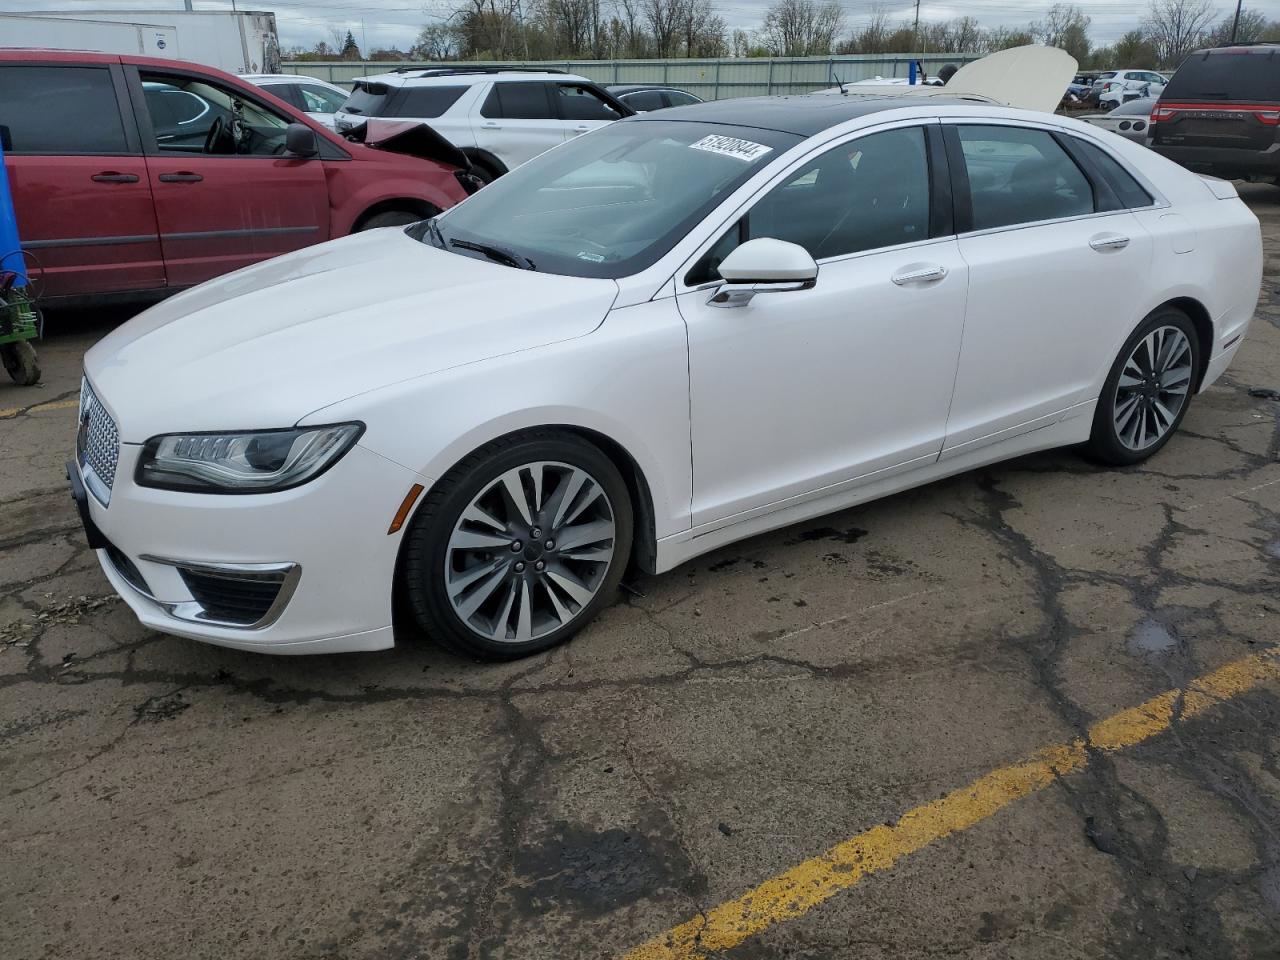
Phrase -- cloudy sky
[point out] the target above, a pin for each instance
(386, 23)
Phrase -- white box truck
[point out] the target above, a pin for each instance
(235, 41)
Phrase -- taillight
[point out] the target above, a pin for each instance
(1270, 117)
(1161, 114)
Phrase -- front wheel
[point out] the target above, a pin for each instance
(20, 362)
(519, 546)
(1148, 390)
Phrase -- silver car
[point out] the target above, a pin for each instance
(1131, 120)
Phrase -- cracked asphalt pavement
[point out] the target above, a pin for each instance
(744, 713)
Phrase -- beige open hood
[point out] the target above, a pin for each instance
(1033, 77)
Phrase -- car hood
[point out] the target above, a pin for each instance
(265, 346)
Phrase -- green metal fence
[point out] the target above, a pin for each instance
(708, 79)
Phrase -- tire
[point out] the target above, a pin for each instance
(492, 588)
(390, 218)
(1136, 412)
(483, 172)
(20, 363)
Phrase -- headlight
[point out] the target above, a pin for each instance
(258, 461)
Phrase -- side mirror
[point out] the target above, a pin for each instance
(763, 265)
(300, 141)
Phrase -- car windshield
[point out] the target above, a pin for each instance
(611, 203)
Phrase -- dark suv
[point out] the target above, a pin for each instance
(1220, 114)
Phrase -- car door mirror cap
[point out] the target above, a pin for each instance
(763, 265)
(300, 141)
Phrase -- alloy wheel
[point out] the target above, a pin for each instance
(1153, 387)
(529, 552)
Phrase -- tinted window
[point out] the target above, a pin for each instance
(367, 99)
(518, 101)
(1018, 175)
(868, 193)
(320, 99)
(644, 100)
(579, 103)
(1121, 181)
(59, 110)
(424, 102)
(1253, 76)
(678, 98)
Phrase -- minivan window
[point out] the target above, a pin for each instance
(426, 102)
(518, 101)
(1252, 76)
(59, 110)
(1020, 175)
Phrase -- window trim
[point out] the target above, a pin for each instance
(132, 139)
(960, 177)
(740, 213)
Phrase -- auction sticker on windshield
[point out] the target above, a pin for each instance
(732, 147)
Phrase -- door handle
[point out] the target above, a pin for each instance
(582, 129)
(1113, 242)
(924, 274)
(183, 177)
(110, 176)
(490, 125)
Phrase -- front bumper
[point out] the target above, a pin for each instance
(321, 551)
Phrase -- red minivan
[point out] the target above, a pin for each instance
(137, 176)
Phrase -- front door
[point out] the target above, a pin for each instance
(801, 390)
(582, 109)
(78, 179)
(1053, 280)
(225, 195)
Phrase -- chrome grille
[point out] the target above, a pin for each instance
(98, 441)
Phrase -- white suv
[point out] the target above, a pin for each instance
(498, 117)
(1125, 85)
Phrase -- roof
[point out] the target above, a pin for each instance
(453, 77)
(801, 115)
(634, 87)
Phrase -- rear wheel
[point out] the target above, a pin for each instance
(1148, 390)
(20, 363)
(519, 546)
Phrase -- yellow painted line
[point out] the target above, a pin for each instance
(795, 892)
(51, 405)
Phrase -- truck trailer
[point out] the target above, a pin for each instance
(235, 41)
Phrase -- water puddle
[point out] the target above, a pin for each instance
(1151, 636)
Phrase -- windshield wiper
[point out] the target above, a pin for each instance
(498, 254)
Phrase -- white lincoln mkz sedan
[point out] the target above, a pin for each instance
(681, 330)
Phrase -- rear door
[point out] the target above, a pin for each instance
(78, 178)
(1056, 262)
(518, 120)
(225, 195)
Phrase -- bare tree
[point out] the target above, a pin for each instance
(802, 28)
(666, 20)
(435, 42)
(1177, 27)
(1066, 26)
(1253, 26)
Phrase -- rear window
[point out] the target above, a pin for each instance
(425, 102)
(59, 110)
(644, 100)
(367, 98)
(1248, 76)
(518, 101)
(1129, 192)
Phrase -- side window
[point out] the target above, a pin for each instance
(643, 100)
(288, 92)
(425, 102)
(580, 103)
(864, 194)
(1020, 175)
(199, 117)
(59, 110)
(320, 99)
(677, 98)
(1120, 180)
(518, 101)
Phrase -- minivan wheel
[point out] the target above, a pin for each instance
(390, 218)
(519, 546)
(1148, 390)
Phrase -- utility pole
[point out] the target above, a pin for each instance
(915, 33)
(1235, 24)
